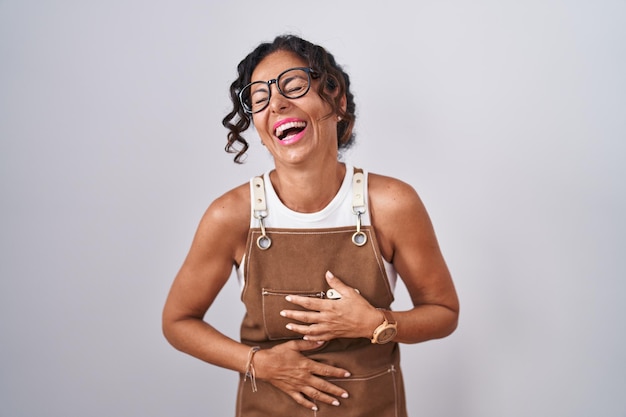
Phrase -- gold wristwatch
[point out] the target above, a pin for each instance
(387, 330)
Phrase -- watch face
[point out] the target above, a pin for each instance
(386, 335)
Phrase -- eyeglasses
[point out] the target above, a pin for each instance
(291, 83)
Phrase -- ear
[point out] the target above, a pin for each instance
(343, 103)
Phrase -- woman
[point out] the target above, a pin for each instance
(317, 245)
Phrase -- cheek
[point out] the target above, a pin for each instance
(264, 134)
(258, 123)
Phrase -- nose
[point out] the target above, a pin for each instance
(278, 102)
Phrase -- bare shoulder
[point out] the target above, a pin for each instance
(390, 195)
(397, 213)
(226, 222)
(218, 244)
(231, 208)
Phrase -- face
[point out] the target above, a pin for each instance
(300, 130)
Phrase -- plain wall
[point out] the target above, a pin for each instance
(508, 117)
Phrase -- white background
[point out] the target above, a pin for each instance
(508, 117)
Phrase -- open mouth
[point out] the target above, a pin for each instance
(289, 129)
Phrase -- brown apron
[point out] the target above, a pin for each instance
(295, 263)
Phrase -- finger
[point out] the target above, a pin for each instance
(317, 368)
(319, 396)
(303, 401)
(309, 303)
(330, 391)
(304, 345)
(312, 332)
(329, 371)
(338, 284)
(302, 316)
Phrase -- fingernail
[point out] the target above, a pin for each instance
(344, 395)
(314, 408)
(335, 403)
(347, 374)
(320, 342)
(282, 313)
(329, 275)
(288, 327)
(288, 298)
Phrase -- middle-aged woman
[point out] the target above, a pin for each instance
(317, 245)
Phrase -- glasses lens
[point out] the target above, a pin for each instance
(294, 83)
(254, 97)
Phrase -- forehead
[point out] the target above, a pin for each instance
(275, 63)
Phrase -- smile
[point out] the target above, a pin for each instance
(288, 129)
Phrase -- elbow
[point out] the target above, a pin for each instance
(169, 327)
(166, 329)
(452, 322)
(179, 329)
(172, 334)
(448, 322)
(453, 308)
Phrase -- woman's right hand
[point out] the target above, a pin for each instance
(285, 367)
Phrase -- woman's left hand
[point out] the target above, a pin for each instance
(350, 316)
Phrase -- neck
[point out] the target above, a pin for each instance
(308, 191)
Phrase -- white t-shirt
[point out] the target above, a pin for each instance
(337, 213)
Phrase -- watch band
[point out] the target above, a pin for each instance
(388, 316)
(387, 330)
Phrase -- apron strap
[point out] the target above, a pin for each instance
(259, 207)
(359, 207)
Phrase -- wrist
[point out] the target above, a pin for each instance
(249, 371)
(387, 330)
(374, 319)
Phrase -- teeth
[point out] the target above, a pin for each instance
(289, 125)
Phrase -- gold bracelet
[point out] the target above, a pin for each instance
(249, 371)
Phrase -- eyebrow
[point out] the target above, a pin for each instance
(259, 87)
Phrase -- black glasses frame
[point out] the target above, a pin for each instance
(310, 72)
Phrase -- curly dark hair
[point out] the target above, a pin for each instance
(328, 71)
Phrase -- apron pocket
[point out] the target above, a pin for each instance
(379, 394)
(273, 303)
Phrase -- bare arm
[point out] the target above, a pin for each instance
(218, 244)
(219, 241)
(407, 239)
